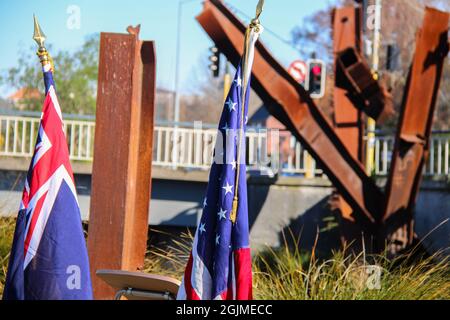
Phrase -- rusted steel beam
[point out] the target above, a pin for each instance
(121, 177)
(363, 90)
(292, 105)
(348, 120)
(412, 140)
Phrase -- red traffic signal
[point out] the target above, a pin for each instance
(316, 70)
(315, 78)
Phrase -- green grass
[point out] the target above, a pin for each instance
(6, 237)
(287, 273)
(290, 274)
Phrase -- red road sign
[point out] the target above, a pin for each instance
(298, 70)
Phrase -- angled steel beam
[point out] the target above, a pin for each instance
(412, 140)
(292, 105)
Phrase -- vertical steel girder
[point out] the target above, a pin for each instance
(414, 129)
(355, 91)
(121, 175)
(348, 120)
(291, 104)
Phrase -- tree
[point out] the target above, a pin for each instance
(399, 23)
(205, 101)
(75, 77)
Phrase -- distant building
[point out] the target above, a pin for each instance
(22, 97)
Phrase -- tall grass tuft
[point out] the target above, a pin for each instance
(169, 259)
(6, 236)
(288, 273)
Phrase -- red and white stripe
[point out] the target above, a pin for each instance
(197, 281)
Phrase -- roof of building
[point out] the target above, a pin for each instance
(25, 93)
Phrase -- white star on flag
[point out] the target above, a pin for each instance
(202, 227)
(217, 239)
(222, 214)
(205, 203)
(228, 188)
(233, 164)
(231, 105)
(225, 127)
(238, 81)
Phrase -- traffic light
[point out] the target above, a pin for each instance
(392, 57)
(315, 78)
(215, 61)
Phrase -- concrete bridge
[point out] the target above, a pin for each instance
(288, 192)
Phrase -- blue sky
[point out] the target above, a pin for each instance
(158, 20)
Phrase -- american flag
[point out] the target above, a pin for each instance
(219, 265)
(49, 258)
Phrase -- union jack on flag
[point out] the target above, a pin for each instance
(49, 258)
(219, 265)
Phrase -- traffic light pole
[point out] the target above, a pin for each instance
(371, 123)
(226, 81)
(176, 109)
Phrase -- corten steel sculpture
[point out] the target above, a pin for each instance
(288, 101)
(121, 176)
(292, 105)
(355, 91)
(414, 130)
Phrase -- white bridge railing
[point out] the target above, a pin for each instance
(191, 147)
(18, 137)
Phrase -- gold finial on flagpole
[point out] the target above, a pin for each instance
(40, 38)
(38, 35)
(253, 28)
(259, 10)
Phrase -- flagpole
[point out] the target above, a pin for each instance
(40, 38)
(251, 36)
